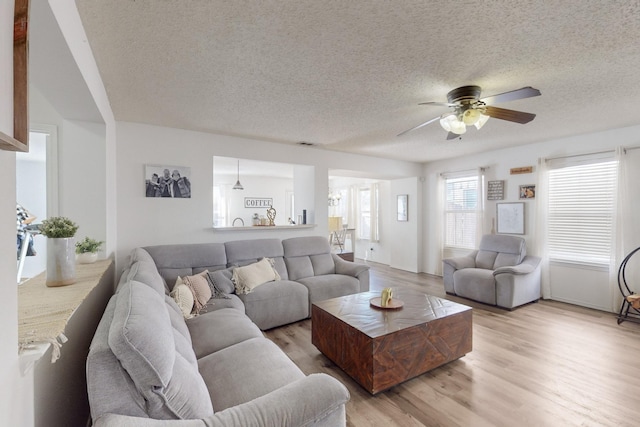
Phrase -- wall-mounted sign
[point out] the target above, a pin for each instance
(524, 169)
(258, 202)
(495, 190)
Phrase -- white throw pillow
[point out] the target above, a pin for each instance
(184, 298)
(249, 277)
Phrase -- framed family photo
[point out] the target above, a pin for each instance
(167, 181)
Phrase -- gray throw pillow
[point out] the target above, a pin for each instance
(220, 283)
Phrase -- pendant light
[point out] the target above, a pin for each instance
(238, 186)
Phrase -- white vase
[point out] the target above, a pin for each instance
(87, 257)
(61, 261)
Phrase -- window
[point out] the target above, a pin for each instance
(580, 213)
(462, 211)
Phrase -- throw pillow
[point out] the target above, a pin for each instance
(200, 289)
(249, 277)
(220, 283)
(183, 296)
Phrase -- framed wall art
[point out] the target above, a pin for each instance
(527, 191)
(403, 207)
(167, 181)
(495, 190)
(510, 218)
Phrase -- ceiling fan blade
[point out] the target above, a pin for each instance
(420, 125)
(525, 92)
(452, 135)
(438, 104)
(510, 115)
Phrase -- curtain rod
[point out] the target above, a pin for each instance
(590, 154)
(482, 169)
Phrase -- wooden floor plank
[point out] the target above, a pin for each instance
(543, 364)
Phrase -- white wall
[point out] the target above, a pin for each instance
(406, 245)
(149, 221)
(81, 174)
(499, 162)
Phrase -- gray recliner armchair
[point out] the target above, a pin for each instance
(499, 273)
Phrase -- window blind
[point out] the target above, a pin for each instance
(461, 210)
(580, 212)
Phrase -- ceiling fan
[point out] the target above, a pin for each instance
(469, 109)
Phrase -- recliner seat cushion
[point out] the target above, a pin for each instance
(475, 283)
(330, 286)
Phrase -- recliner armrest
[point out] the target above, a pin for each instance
(348, 268)
(528, 265)
(458, 263)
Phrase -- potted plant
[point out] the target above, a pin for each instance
(61, 262)
(87, 250)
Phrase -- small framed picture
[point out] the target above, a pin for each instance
(527, 192)
(403, 207)
(167, 181)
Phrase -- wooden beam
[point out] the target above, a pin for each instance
(20, 78)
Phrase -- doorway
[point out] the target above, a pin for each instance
(36, 191)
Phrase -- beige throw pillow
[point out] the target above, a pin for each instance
(249, 277)
(200, 288)
(183, 297)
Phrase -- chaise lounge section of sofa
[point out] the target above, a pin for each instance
(149, 366)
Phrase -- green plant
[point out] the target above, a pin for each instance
(58, 227)
(88, 245)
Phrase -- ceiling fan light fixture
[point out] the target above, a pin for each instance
(471, 116)
(446, 120)
(481, 121)
(458, 127)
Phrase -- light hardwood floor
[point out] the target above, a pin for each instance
(543, 364)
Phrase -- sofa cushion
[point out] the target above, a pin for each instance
(220, 329)
(109, 386)
(497, 250)
(277, 303)
(229, 301)
(249, 277)
(246, 371)
(145, 271)
(163, 369)
(244, 252)
(185, 260)
(475, 283)
(308, 256)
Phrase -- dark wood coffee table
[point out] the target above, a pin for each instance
(380, 348)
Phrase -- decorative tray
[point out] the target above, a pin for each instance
(394, 304)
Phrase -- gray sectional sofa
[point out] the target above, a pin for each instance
(149, 366)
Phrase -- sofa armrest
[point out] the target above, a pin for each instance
(458, 263)
(302, 402)
(348, 268)
(528, 265)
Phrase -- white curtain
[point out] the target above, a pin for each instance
(352, 207)
(480, 207)
(626, 228)
(440, 223)
(375, 234)
(540, 242)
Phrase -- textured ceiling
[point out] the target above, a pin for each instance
(348, 75)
